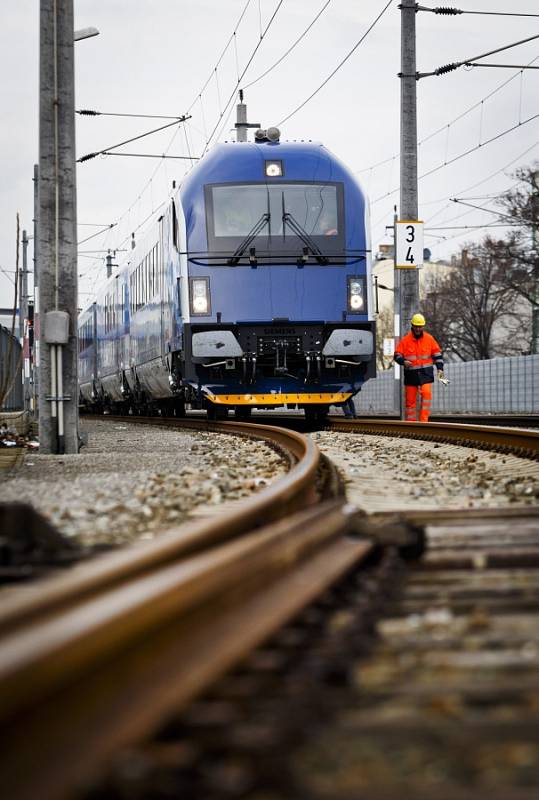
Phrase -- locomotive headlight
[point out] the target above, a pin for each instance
(200, 296)
(274, 169)
(356, 295)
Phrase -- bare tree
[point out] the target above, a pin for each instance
(437, 308)
(472, 310)
(521, 205)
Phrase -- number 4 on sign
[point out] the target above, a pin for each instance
(408, 244)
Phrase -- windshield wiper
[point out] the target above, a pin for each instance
(253, 233)
(294, 225)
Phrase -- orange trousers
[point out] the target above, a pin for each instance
(410, 395)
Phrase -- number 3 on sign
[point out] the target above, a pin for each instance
(408, 244)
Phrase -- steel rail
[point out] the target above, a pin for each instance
(293, 491)
(96, 658)
(509, 440)
(76, 687)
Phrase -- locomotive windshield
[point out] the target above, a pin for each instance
(279, 217)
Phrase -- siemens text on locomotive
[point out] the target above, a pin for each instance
(252, 290)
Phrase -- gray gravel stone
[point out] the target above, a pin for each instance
(133, 481)
(384, 473)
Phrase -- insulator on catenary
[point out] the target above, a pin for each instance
(87, 157)
(447, 10)
(447, 68)
(88, 112)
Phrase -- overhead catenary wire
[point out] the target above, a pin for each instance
(197, 97)
(469, 188)
(481, 208)
(462, 155)
(253, 54)
(217, 63)
(231, 38)
(502, 66)
(5, 271)
(338, 67)
(490, 176)
(153, 155)
(92, 225)
(291, 48)
(443, 70)
(492, 198)
(98, 233)
(474, 227)
(450, 11)
(447, 125)
(88, 112)
(107, 150)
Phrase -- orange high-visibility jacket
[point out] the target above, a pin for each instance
(423, 353)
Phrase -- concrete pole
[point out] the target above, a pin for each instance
(409, 295)
(23, 306)
(35, 354)
(57, 231)
(409, 278)
(397, 389)
(24, 242)
(535, 274)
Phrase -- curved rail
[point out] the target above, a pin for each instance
(77, 686)
(508, 440)
(295, 490)
(97, 658)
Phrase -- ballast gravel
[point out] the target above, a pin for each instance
(383, 473)
(133, 480)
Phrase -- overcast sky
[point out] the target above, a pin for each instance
(155, 58)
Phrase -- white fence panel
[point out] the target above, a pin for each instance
(495, 386)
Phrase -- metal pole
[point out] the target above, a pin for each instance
(57, 226)
(35, 353)
(23, 305)
(24, 242)
(409, 298)
(397, 388)
(241, 120)
(409, 280)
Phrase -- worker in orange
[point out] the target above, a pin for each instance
(418, 352)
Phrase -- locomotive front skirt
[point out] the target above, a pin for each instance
(253, 289)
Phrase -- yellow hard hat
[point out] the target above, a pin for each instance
(418, 319)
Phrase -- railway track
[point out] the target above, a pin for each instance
(98, 660)
(400, 681)
(504, 440)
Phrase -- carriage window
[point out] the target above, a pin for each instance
(234, 211)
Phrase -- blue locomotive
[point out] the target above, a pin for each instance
(252, 290)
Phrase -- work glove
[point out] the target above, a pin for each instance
(442, 378)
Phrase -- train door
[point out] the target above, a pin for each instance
(178, 237)
(93, 356)
(170, 327)
(117, 330)
(161, 261)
